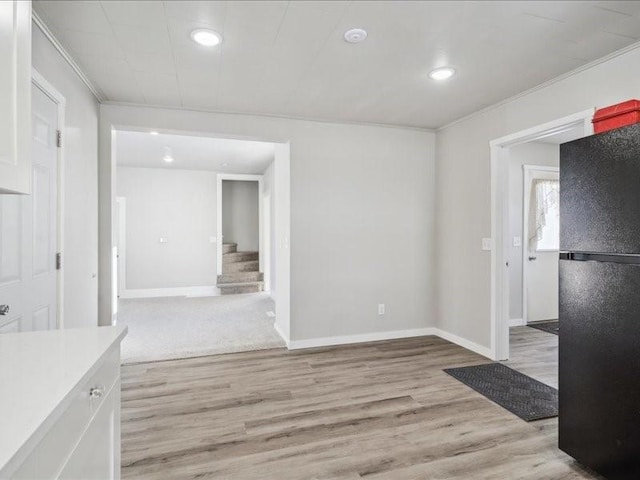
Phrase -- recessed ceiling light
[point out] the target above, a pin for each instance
(168, 157)
(355, 35)
(225, 164)
(206, 38)
(443, 73)
(153, 133)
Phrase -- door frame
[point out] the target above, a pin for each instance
(50, 91)
(114, 119)
(265, 239)
(121, 252)
(500, 155)
(526, 180)
(261, 234)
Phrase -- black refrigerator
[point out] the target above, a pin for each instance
(599, 312)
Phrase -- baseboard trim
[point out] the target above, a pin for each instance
(282, 335)
(516, 322)
(203, 291)
(359, 338)
(390, 335)
(464, 343)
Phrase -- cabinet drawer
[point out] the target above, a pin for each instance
(52, 452)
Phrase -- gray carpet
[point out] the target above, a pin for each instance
(552, 326)
(181, 327)
(522, 395)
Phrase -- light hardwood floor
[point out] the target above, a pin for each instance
(382, 410)
(534, 353)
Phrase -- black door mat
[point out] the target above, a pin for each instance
(552, 326)
(522, 395)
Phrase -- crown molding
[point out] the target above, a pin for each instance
(272, 115)
(546, 84)
(58, 46)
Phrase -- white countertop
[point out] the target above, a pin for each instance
(38, 371)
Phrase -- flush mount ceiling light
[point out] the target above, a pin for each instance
(443, 73)
(355, 35)
(206, 38)
(153, 133)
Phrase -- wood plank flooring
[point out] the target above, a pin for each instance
(534, 353)
(382, 410)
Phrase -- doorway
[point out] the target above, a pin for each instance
(565, 129)
(31, 226)
(243, 229)
(187, 251)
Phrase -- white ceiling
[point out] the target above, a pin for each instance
(141, 149)
(289, 58)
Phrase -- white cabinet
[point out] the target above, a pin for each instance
(97, 454)
(84, 443)
(15, 96)
(62, 419)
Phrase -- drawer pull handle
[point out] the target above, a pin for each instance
(96, 392)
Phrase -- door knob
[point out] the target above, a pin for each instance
(531, 259)
(96, 392)
(4, 309)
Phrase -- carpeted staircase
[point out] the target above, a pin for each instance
(240, 271)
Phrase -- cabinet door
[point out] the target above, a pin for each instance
(15, 96)
(97, 456)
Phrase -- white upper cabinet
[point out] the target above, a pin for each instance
(15, 96)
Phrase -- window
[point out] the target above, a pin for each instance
(544, 215)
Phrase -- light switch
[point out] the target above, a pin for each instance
(517, 241)
(212, 239)
(163, 239)
(486, 244)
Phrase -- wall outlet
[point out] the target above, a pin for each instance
(381, 309)
(517, 241)
(486, 244)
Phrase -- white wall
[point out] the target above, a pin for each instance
(268, 189)
(80, 275)
(532, 153)
(240, 214)
(464, 176)
(362, 215)
(180, 206)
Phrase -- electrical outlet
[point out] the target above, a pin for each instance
(486, 244)
(517, 241)
(381, 309)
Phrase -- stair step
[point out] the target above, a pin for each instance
(229, 248)
(239, 257)
(250, 266)
(240, 277)
(243, 287)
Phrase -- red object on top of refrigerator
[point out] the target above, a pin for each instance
(616, 116)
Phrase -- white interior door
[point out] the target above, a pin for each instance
(540, 273)
(28, 232)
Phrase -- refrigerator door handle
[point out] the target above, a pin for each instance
(601, 257)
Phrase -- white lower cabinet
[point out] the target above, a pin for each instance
(84, 442)
(97, 454)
